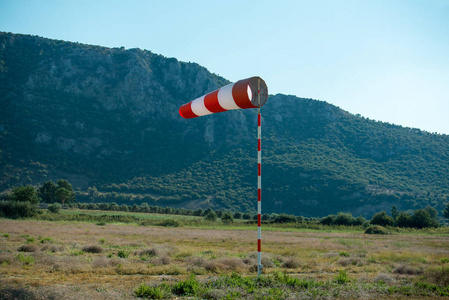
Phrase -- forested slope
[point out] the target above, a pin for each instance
(107, 120)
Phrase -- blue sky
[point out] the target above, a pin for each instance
(384, 59)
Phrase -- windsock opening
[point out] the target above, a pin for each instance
(247, 93)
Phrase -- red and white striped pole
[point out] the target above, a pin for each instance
(259, 187)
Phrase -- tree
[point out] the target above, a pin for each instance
(47, 192)
(446, 211)
(285, 218)
(265, 217)
(344, 219)
(394, 212)
(62, 183)
(238, 215)
(210, 215)
(432, 212)
(328, 220)
(382, 219)
(422, 219)
(25, 194)
(246, 216)
(227, 218)
(404, 219)
(62, 194)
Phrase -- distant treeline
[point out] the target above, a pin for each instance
(420, 218)
(23, 202)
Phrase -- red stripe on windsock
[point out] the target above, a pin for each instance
(259, 245)
(259, 170)
(258, 145)
(259, 194)
(258, 120)
(240, 94)
(259, 220)
(211, 102)
(186, 111)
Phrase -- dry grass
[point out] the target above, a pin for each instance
(73, 263)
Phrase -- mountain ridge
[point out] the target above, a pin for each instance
(107, 119)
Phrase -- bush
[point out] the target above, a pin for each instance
(328, 220)
(27, 248)
(123, 254)
(210, 216)
(170, 223)
(227, 218)
(291, 263)
(284, 218)
(376, 230)
(188, 287)
(54, 208)
(24, 194)
(93, 249)
(407, 270)
(14, 209)
(153, 292)
(342, 277)
(439, 276)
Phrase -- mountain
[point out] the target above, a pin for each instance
(107, 120)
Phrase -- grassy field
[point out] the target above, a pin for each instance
(111, 260)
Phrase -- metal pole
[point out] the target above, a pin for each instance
(259, 186)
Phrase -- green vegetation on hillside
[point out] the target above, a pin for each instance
(108, 120)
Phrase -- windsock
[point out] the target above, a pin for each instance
(246, 93)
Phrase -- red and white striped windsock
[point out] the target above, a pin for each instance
(241, 94)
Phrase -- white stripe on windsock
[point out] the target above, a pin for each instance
(225, 98)
(199, 108)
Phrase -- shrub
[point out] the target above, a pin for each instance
(227, 218)
(163, 260)
(170, 223)
(188, 287)
(342, 277)
(93, 249)
(123, 254)
(27, 248)
(14, 209)
(26, 260)
(210, 216)
(25, 194)
(439, 276)
(149, 252)
(285, 218)
(376, 230)
(54, 208)
(46, 240)
(328, 220)
(345, 219)
(153, 292)
(291, 263)
(351, 261)
(407, 270)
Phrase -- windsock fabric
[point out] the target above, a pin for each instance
(239, 95)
